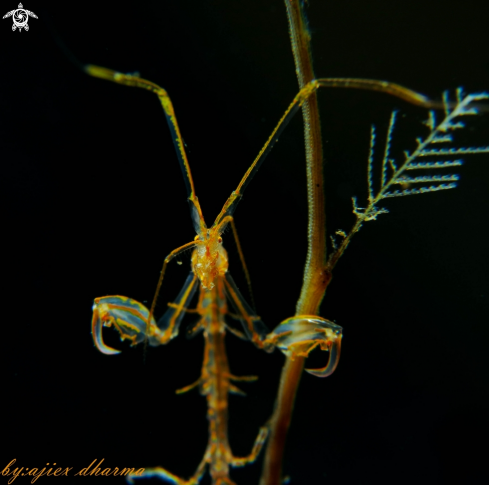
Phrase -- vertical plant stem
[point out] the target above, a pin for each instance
(316, 277)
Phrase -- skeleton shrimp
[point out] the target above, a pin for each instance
(296, 336)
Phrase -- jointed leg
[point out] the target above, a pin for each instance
(162, 474)
(258, 445)
(243, 263)
(255, 329)
(220, 227)
(168, 477)
(174, 253)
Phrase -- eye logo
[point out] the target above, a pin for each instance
(20, 16)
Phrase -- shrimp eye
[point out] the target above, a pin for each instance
(219, 239)
(196, 238)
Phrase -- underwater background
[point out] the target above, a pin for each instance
(94, 201)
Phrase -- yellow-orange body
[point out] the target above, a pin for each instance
(130, 318)
(296, 336)
(209, 260)
(215, 384)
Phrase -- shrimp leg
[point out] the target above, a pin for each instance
(133, 321)
(298, 336)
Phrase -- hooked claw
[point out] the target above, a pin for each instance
(334, 358)
(97, 335)
(128, 316)
(299, 335)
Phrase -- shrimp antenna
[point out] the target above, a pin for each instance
(134, 80)
(393, 89)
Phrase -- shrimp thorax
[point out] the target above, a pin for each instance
(209, 260)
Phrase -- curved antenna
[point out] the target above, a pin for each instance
(393, 89)
(134, 80)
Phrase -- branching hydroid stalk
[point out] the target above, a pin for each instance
(316, 278)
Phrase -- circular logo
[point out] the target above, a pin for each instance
(20, 19)
(20, 16)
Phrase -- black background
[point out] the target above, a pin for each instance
(93, 201)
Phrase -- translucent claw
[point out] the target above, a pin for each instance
(298, 336)
(334, 358)
(129, 318)
(97, 334)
